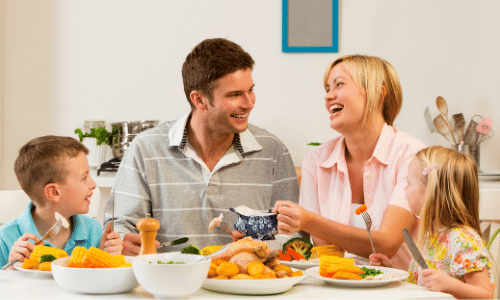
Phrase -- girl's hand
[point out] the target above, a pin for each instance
(22, 248)
(379, 259)
(291, 217)
(111, 241)
(436, 280)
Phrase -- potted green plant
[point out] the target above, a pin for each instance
(97, 141)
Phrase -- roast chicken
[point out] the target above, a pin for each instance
(247, 250)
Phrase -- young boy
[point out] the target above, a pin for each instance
(54, 172)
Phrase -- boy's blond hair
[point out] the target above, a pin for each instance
(452, 191)
(41, 161)
(371, 73)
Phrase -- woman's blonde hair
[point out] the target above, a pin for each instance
(452, 191)
(372, 73)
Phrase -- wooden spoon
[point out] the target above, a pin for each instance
(442, 127)
(443, 109)
(459, 126)
(428, 119)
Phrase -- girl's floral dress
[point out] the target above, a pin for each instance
(456, 252)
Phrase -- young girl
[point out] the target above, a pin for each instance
(449, 233)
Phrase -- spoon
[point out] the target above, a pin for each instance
(442, 127)
(53, 231)
(459, 126)
(428, 119)
(443, 109)
(215, 253)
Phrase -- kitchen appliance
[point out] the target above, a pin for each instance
(124, 134)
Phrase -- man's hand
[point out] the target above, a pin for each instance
(132, 244)
(111, 241)
(22, 248)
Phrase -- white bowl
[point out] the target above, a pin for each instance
(170, 280)
(93, 280)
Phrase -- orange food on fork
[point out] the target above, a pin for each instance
(361, 209)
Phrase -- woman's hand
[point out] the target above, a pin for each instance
(379, 259)
(291, 217)
(111, 241)
(22, 248)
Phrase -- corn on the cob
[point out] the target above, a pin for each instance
(318, 251)
(41, 250)
(76, 258)
(210, 249)
(97, 258)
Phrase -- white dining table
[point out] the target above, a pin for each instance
(20, 285)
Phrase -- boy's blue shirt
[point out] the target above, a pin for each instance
(87, 233)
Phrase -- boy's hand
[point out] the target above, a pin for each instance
(132, 244)
(22, 248)
(379, 259)
(111, 241)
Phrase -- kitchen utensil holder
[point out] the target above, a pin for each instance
(472, 150)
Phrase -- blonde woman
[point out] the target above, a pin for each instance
(367, 164)
(449, 235)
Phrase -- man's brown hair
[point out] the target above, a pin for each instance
(41, 161)
(210, 60)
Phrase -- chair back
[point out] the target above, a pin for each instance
(13, 204)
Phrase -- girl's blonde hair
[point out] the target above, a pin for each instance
(372, 73)
(452, 191)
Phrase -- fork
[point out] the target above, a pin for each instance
(53, 231)
(224, 227)
(368, 222)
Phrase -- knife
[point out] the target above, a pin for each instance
(414, 250)
(172, 243)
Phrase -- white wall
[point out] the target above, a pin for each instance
(120, 60)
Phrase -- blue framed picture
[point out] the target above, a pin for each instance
(310, 26)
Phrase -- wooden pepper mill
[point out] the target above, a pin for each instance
(148, 228)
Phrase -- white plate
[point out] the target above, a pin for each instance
(18, 266)
(399, 275)
(299, 264)
(252, 287)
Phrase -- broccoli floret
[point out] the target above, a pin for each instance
(46, 257)
(191, 249)
(300, 245)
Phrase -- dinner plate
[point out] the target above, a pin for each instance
(299, 264)
(18, 266)
(398, 276)
(253, 287)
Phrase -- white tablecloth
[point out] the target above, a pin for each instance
(18, 285)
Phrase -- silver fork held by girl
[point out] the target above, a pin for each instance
(368, 222)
